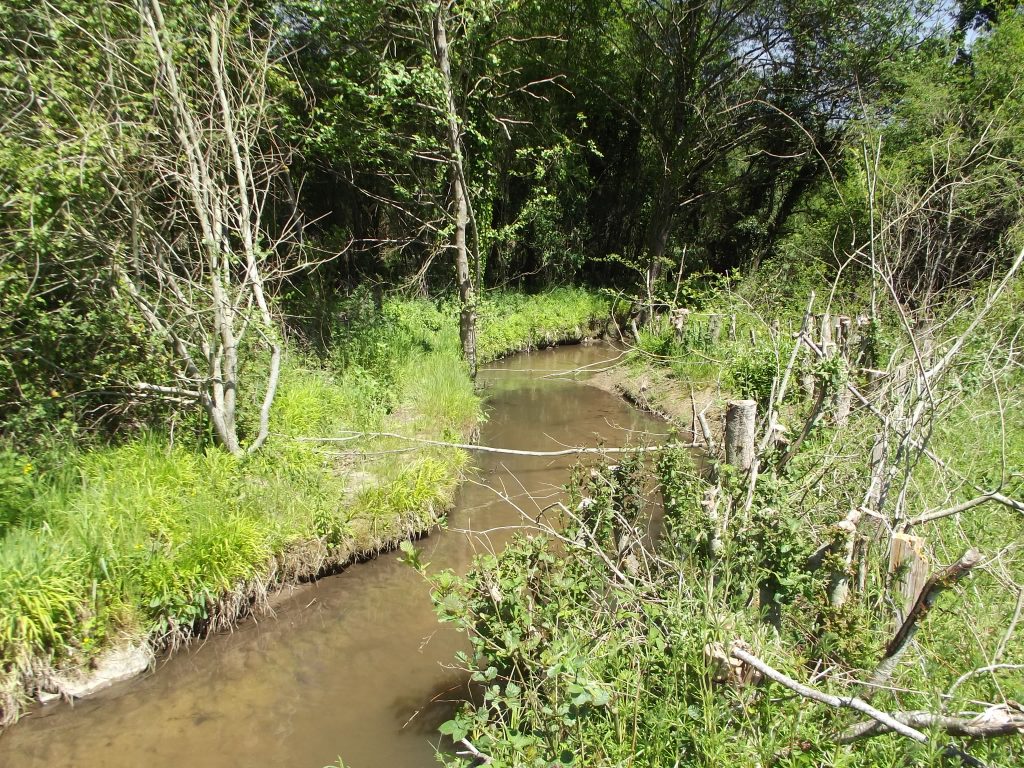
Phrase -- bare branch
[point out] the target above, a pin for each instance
(995, 721)
(352, 435)
(838, 702)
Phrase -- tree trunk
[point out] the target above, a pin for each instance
(206, 284)
(659, 229)
(460, 194)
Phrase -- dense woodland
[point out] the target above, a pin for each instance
(604, 143)
(227, 225)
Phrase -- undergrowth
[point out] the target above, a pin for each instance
(594, 648)
(591, 652)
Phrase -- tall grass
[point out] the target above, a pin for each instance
(511, 322)
(977, 429)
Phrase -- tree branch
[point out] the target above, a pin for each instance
(996, 721)
(838, 702)
(488, 449)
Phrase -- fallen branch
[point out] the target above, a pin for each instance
(883, 722)
(838, 702)
(1018, 609)
(812, 421)
(581, 369)
(705, 430)
(179, 392)
(780, 395)
(979, 671)
(936, 584)
(471, 750)
(995, 721)
(351, 435)
(943, 363)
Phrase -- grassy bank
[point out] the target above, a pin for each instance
(592, 649)
(165, 535)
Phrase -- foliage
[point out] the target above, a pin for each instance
(755, 372)
(69, 344)
(581, 664)
(578, 667)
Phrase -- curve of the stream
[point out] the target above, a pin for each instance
(355, 666)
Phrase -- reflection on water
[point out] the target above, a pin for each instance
(356, 665)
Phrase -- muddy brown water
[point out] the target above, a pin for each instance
(355, 666)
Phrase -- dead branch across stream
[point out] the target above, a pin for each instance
(350, 436)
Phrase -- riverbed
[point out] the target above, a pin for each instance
(356, 665)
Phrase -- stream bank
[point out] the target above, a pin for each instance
(155, 542)
(654, 389)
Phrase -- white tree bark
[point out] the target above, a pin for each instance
(199, 265)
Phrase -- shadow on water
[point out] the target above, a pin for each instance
(435, 705)
(355, 665)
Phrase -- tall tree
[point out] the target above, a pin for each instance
(459, 187)
(187, 168)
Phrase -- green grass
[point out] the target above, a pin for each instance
(512, 322)
(580, 666)
(154, 537)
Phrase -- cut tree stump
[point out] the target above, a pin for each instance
(740, 416)
(827, 345)
(909, 563)
(714, 329)
(678, 319)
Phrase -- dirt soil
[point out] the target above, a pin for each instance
(654, 390)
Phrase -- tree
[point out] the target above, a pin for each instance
(194, 165)
(459, 188)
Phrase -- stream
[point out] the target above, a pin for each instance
(356, 665)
